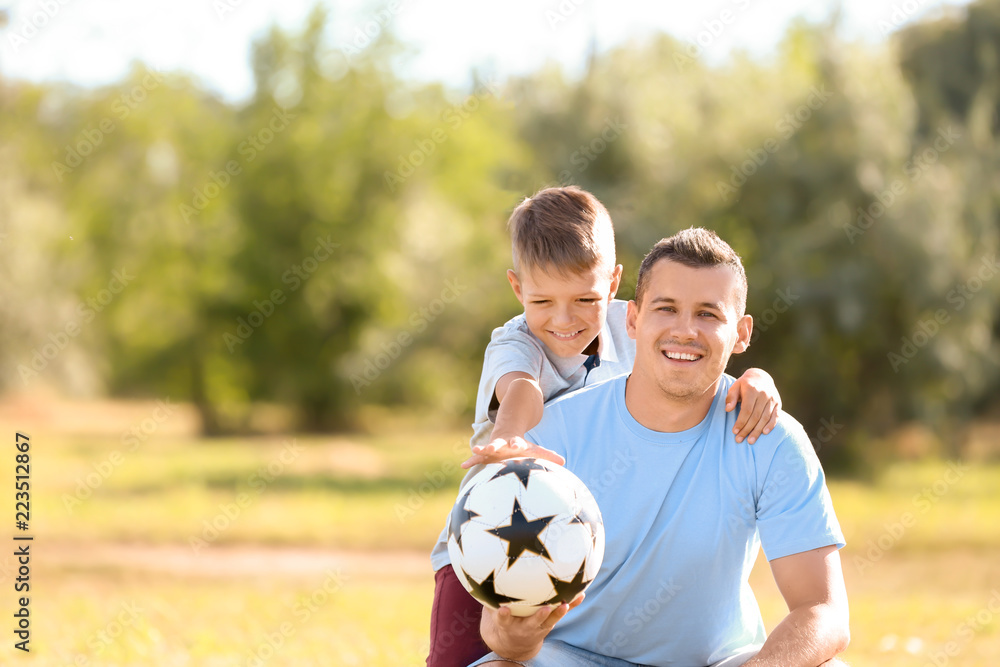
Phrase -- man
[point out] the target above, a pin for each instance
(685, 507)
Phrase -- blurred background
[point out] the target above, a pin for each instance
(251, 255)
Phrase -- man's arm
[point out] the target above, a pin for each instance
(520, 410)
(816, 628)
(520, 638)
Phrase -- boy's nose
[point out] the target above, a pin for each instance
(562, 316)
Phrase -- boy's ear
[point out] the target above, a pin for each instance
(515, 285)
(616, 281)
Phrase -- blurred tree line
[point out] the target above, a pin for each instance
(339, 239)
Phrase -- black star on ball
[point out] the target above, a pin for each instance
(459, 517)
(567, 590)
(486, 591)
(522, 535)
(519, 467)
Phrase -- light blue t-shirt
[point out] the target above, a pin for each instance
(684, 515)
(513, 348)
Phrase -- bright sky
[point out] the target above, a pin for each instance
(92, 42)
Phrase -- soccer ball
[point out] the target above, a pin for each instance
(525, 533)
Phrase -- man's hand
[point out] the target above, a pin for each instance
(521, 637)
(503, 448)
(756, 391)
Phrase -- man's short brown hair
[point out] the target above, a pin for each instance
(566, 230)
(697, 248)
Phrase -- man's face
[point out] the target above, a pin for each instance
(565, 311)
(686, 328)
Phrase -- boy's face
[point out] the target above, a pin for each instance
(687, 327)
(565, 311)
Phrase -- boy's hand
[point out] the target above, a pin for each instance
(756, 391)
(501, 449)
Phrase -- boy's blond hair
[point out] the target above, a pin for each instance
(565, 230)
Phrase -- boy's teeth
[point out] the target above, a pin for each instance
(568, 335)
(681, 355)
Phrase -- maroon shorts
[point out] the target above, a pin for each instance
(455, 616)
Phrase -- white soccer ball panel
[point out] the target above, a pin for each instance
(546, 496)
(481, 552)
(569, 545)
(493, 499)
(526, 579)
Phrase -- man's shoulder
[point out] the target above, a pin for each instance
(585, 398)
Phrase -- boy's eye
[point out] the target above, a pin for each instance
(540, 301)
(708, 314)
(588, 300)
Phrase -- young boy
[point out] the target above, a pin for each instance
(572, 334)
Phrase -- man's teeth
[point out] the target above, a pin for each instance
(567, 335)
(682, 355)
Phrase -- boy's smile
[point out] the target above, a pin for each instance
(566, 311)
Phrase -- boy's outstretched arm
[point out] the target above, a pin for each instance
(755, 389)
(520, 411)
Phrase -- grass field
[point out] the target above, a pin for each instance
(313, 551)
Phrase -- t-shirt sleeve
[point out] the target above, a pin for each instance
(509, 351)
(794, 509)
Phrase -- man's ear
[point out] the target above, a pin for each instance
(631, 316)
(616, 281)
(743, 330)
(515, 285)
